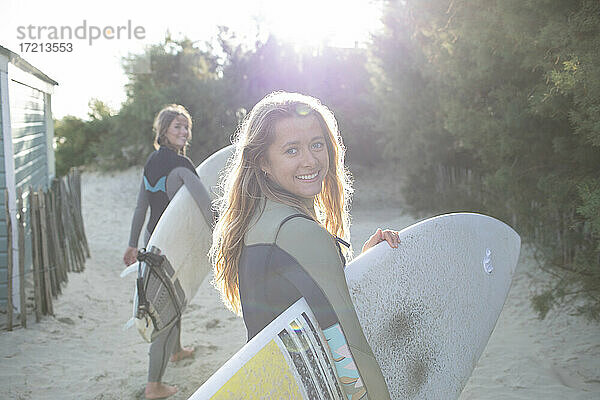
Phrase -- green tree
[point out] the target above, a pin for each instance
(218, 82)
(511, 127)
(172, 72)
(75, 139)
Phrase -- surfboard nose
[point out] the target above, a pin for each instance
(497, 240)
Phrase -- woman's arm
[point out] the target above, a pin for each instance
(139, 215)
(183, 176)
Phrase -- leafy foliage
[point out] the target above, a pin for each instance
(217, 83)
(76, 139)
(512, 125)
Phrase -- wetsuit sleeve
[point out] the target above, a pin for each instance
(316, 251)
(139, 215)
(183, 176)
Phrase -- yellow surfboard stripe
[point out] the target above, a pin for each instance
(267, 375)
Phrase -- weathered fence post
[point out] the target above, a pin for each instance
(21, 234)
(37, 279)
(55, 236)
(9, 274)
(45, 261)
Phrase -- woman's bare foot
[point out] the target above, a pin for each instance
(185, 352)
(158, 390)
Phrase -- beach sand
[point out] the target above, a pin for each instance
(83, 353)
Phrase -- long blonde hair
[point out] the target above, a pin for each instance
(245, 186)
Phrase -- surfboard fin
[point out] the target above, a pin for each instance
(128, 270)
(129, 323)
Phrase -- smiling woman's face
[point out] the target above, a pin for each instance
(178, 132)
(297, 160)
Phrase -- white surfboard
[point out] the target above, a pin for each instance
(184, 237)
(427, 309)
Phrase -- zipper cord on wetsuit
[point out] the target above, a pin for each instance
(342, 241)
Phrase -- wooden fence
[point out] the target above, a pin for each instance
(58, 243)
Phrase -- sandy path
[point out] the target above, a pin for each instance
(82, 352)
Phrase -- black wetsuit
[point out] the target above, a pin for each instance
(164, 173)
(287, 257)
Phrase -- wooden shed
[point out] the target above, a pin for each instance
(26, 152)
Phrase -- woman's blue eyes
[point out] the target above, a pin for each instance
(314, 146)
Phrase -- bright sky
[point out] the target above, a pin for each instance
(94, 71)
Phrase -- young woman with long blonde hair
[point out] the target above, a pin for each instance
(283, 216)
